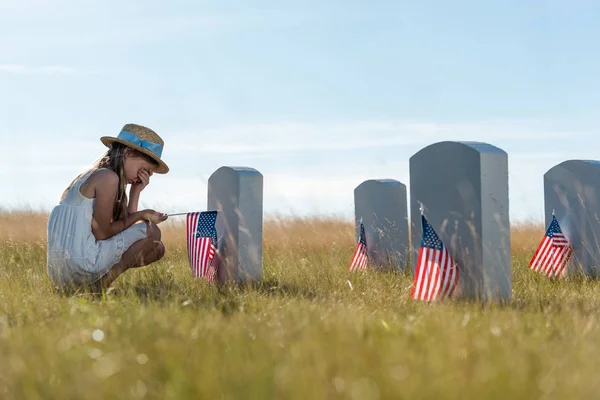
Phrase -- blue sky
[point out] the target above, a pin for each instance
(318, 96)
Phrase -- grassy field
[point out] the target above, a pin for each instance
(310, 331)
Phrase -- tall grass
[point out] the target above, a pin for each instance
(310, 330)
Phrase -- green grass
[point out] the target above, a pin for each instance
(310, 330)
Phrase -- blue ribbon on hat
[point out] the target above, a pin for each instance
(144, 144)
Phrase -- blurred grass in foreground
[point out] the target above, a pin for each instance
(311, 330)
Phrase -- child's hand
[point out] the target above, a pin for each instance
(154, 216)
(143, 181)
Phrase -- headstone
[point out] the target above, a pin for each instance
(381, 205)
(237, 193)
(572, 189)
(463, 187)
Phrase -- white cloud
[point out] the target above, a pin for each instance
(22, 69)
(6, 170)
(295, 137)
(160, 21)
(551, 155)
(46, 156)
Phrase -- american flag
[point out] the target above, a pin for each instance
(553, 252)
(359, 259)
(201, 243)
(436, 275)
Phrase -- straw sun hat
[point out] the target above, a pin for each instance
(142, 139)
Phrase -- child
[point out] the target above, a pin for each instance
(94, 233)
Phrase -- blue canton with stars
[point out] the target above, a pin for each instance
(429, 238)
(362, 239)
(206, 225)
(553, 228)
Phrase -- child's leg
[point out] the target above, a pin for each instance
(143, 252)
(152, 252)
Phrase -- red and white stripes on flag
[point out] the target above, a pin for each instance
(553, 253)
(201, 241)
(436, 274)
(359, 259)
(211, 273)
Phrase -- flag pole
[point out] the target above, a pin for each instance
(421, 208)
(184, 213)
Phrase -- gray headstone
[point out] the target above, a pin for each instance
(237, 193)
(572, 189)
(382, 206)
(463, 187)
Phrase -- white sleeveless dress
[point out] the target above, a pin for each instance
(74, 255)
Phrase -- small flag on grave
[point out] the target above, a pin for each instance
(359, 259)
(201, 243)
(436, 274)
(553, 252)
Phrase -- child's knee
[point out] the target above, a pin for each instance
(153, 232)
(160, 250)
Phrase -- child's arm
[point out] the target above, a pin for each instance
(132, 205)
(102, 225)
(136, 189)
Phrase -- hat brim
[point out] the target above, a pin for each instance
(162, 167)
